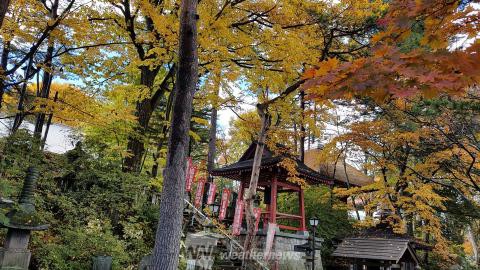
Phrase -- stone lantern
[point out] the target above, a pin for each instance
(21, 221)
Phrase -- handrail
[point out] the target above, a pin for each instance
(285, 215)
(223, 232)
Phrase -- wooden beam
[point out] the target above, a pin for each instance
(282, 184)
(289, 185)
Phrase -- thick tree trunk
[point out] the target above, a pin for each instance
(167, 240)
(252, 190)
(3, 10)
(143, 112)
(145, 107)
(163, 136)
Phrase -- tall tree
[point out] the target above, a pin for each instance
(3, 10)
(149, 69)
(47, 73)
(250, 194)
(212, 140)
(167, 240)
(335, 23)
(21, 47)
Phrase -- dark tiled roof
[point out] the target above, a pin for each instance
(374, 249)
(310, 175)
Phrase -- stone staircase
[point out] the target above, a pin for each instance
(218, 249)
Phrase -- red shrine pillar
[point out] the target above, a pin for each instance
(273, 201)
(302, 209)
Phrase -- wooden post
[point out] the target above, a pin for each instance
(273, 200)
(266, 217)
(302, 209)
(240, 190)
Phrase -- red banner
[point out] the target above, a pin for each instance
(211, 193)
(258, 214)
(191, 172)
(238, 218)
(224, 205)
(199, 194)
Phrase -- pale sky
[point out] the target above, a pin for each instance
(58, 139)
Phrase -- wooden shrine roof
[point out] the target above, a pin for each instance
(236, 170)
(243, 167)
(384, 249)
(312, 170)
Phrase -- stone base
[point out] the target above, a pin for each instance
(14, 259)
(203, 252)
(283, 256)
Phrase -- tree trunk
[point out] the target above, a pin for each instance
(252, 190)
(45, 92)
(295, 136)
(144, 108)
(47, 75)
(212, 146)
(4, 63)
(302, 126)
(471, 237)
(20, 108)
(163, 136)
(143, 112)
(167, 240)
(49, 122)
(315, 123)
(3, 10)
(348, 187)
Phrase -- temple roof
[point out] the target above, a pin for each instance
(269, 161)
(385, 249)
(342, 174)
(312, 170)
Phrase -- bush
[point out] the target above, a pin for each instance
(93, 208)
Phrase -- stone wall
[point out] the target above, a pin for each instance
(203, 251)
(283, 256)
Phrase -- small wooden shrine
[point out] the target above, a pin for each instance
(272, 181)
(377, 253)
(379, 248)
